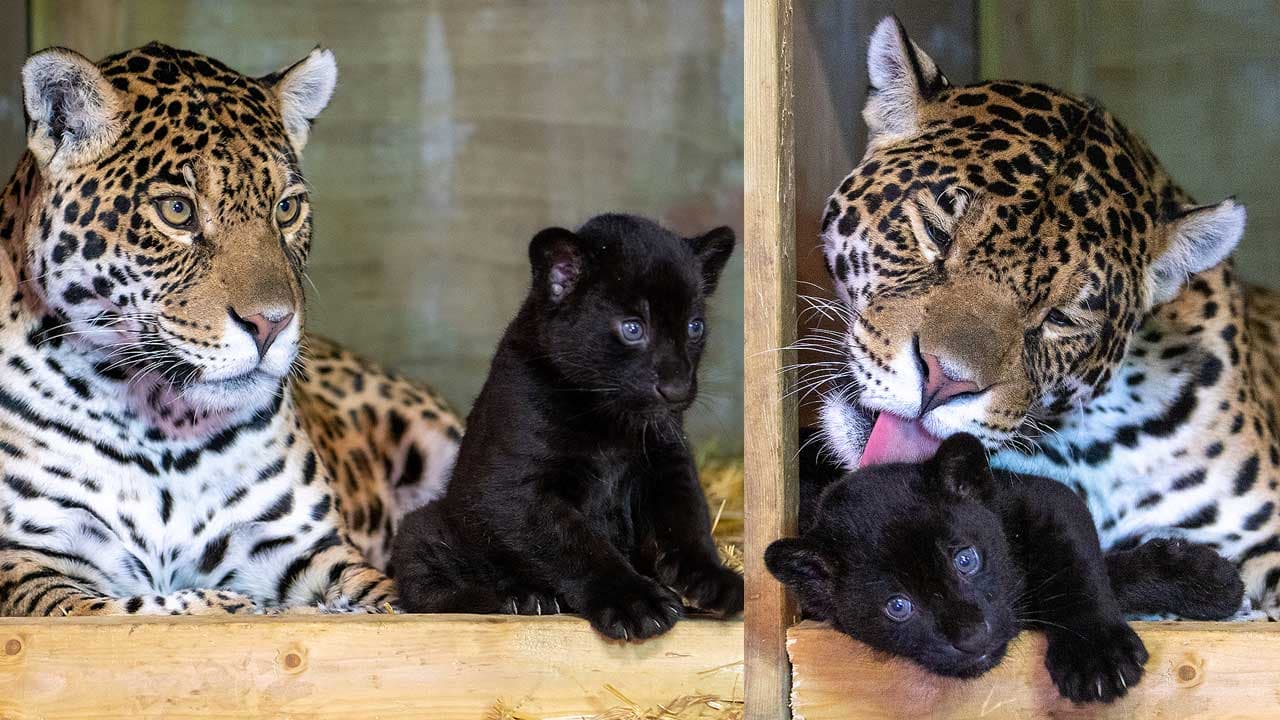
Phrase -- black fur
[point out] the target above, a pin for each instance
(895, 530)
(574, 488)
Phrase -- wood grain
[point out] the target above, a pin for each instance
(770, 413)
(408, 666)
(1196, 671)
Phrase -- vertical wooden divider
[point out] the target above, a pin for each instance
(770, 413)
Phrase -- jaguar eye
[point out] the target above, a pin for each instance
(1058, 318)
(939, 237)
(288, 210)
(899, 608)
(967, 561)
(176, 211)
(631, 331)
(697, 328)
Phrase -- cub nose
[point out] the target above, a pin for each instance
(939, 387)
(264, 327)
(674, 391)
(974, 640)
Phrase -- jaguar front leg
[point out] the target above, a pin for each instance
(324, 571)
(32, 584)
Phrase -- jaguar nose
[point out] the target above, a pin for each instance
(939, 387)
(264, 327)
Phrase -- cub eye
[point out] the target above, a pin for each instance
(288, 210)
(899, 608)
(1057, 318)
(177, 212)
(967, 561)
(631, 331)
(697, 328)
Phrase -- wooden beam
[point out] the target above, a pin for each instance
(770, 413)
(1196, 670)
(407, 666)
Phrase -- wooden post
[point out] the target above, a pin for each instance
(770, 414)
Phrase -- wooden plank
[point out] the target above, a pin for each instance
(1196, 670)
(406, 666)
(770, 415)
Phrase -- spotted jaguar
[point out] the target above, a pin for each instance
(171, 442)
(1011, 261)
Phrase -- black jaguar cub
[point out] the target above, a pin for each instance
(946, 561)
(574, 489)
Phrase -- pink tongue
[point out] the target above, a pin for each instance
(894, 440)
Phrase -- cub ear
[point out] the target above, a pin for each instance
(1199, 237)
(902, 79)
(558, 262)
(73, 112)
(806, 571)
(962, 469)
(713, 250)
(303, 90)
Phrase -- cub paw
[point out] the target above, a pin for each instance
(533, 602)
(1207, 586)
(632, 609)
(1096, 664)
(714, 588)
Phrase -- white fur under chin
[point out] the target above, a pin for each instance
(226, 395)
(844, 430)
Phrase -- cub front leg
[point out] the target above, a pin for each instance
(1175, 576)
(31, 584)
(687, 559)
(597, 581)
(1093, 655)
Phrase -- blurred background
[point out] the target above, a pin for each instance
(458, 130)
(1198, 79)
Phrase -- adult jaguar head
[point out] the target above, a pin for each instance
(995, 252)
(169, 222)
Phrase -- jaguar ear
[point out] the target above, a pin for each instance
(558, 262)
(304, 89)
(1199, 237)
(902, 78)
(713, 250)
(806, 571)
(73, 112)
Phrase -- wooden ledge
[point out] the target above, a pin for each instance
(1196, 670)
(403, 666)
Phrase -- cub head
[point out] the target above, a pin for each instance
(911, 560)
(996, 250)
(620, 310)
(172, 223)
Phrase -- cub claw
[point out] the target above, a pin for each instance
(636, 608)
(1096, 664)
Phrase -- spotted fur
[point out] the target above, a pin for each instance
(1036, 247)
(164, 447)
